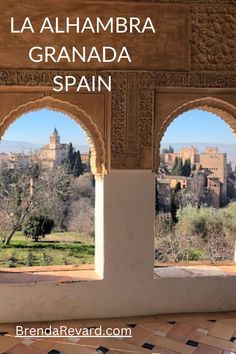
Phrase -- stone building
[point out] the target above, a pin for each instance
(216, 163)
(14, 159)
(211, 162)
(164, 195)
(205, 186)
(54, 152)
(165, 187)
(185, 153)
(85, 158)
(215, 187)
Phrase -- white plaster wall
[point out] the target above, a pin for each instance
(235, 252)
(128, 287)
(99, 227)
(129, 200)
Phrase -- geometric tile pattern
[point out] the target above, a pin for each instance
(160, 334)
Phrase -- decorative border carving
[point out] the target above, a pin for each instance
(132, 104)
(187, 1)
(132, 100)
(97, 145)
(118, 121)
(198, 1)
(149, 80)
(180, 1)
(194, 79)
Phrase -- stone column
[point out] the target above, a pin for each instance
(99, 226)
(129, 207)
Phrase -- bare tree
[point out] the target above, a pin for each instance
(26, 188)
(201, 234)
(172, 245)
(82, 216)
(82, 205)
(220, 244)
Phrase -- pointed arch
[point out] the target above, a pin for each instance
(225, 110)
(96, 141)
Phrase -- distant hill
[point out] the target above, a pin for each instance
(230, 150)
(26, 147)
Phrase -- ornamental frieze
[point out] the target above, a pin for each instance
(132, 104)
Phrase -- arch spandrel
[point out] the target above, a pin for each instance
(96, 141)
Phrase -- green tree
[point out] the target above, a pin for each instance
(177, 187)
(78, 168)
(169, 150)
(178, 167)
(89, 164)
(186, 170)
(73, 161)
(37, 226)
(174, 167)
(70, 161)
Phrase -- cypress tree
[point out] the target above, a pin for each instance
(89, 164)
(186, 170)
(174, 167)
(179, 167)
(177, 187)
(70, 158)
(78, 168)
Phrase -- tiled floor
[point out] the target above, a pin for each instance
(164, 334)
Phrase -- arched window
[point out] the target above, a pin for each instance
(196, 188)
(52, 160)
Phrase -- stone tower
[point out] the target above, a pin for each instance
(54, 142)
(54, 152)
(216, 162)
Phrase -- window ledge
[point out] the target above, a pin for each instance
(193, 271)
(56, 274)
